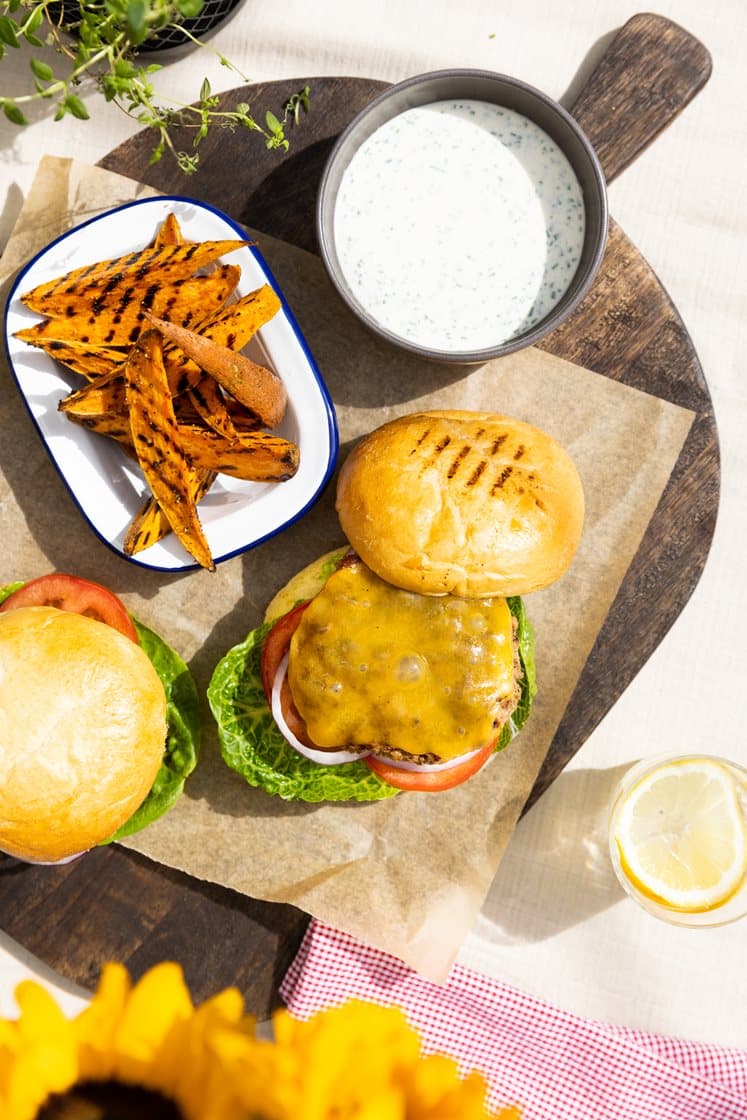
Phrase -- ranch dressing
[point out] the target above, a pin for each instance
(459, 225)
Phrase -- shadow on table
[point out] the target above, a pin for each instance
(586, 68)
(556, 871)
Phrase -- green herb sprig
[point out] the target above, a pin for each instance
(99, 45)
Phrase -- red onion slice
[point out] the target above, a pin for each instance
(324, 758)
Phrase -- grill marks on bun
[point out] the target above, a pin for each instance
(470, 503)
(470, 460)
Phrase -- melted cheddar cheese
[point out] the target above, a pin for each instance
(370, 663)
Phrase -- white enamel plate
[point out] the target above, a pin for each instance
(106, 485)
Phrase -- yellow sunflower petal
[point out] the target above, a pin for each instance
(45, 1057)
(40, 1016)
(156, 1005)
(269, 1084)
(437, 1092)
(96, 1025)
(203, 1053)
(330, 1078)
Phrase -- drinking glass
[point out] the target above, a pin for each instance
(685, 815)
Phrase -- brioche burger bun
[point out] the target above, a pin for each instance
(91, 720)
(462, 503)
(404, 660)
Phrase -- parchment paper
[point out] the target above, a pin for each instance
(407, 875)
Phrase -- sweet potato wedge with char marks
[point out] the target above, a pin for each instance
(103, 397)
(150, 524)
(209, 404)
(232, 326)
(103, 284)
(158, 445)
(256, 387)
(89, 361)
(120, 325)
(241, 419)
(170, 232)
(114, 425)
(253, 456)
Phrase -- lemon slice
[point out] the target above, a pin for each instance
(680, 835)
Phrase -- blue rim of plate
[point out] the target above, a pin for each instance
(329, 409)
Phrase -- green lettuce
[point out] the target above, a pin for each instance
(183, 726)
(182, 735)
(8, 589)
(525, 638)
(252, 745)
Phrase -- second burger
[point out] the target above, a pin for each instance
(404, 661)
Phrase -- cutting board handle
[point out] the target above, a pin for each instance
(652, 69)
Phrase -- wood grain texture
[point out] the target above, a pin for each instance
(652, 69)
(114, 903)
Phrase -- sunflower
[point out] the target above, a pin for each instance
(145, 1050)
(140, 1050)
(360, 1062)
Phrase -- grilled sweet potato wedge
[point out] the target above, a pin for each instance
(158, 445)
(89, 361)
(209, 404)
(253, 456)
(108, 283)
(114, 425)
(170, 232)
(232, 325)
(120, 324)
(105, 396)
(151, 524)
(256, 387)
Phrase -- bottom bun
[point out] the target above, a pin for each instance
(305, 584)
(82, 732)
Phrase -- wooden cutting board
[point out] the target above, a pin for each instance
(115, 904)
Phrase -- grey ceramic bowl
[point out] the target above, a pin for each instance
(485, 86)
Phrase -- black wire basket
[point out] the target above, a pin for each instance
(172, 39)
(214, 13)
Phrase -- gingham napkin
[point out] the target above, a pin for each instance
(557, 1066)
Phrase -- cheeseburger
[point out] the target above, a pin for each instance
(405, 659)
(98, 720)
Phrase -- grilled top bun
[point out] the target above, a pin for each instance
(82, 731)
(467, 503)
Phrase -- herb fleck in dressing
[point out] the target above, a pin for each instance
(459, 225)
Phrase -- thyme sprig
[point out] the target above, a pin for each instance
(98, 46)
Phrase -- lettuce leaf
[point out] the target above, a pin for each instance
(525, 637)
(183, 726)
(182, 736)
(9, 588)
(252, 745)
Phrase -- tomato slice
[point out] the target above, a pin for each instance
(277, 644)
(430, 781)
(71, 593)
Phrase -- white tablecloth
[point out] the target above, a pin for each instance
(554, 924)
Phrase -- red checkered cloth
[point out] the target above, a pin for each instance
(555, 1065)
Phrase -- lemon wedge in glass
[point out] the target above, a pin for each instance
(680, 834)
